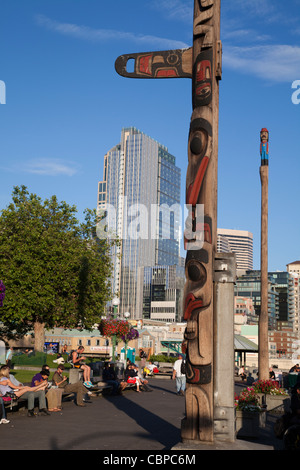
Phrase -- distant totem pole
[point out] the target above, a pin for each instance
(264, 146)
(201, 63)
(263, 347)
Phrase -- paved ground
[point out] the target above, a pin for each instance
(133, 421)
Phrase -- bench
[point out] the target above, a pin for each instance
(14, 403)
(163, 374)
(100, 388)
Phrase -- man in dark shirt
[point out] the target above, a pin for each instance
(109, 377)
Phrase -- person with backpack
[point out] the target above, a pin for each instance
(179, 375)
(77, 360)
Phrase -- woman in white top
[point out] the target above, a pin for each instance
(7, 387)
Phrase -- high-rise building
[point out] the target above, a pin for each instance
(140, 194)
(284, 285)
(294, 270)
(161, 292)
(239, 242)
(248, 285)
(281, 300)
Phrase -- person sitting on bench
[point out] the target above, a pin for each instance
(77, 360)
(30, 396)
(7, 388)
(61, 381)
(132, 377)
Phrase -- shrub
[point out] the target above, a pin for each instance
(162, 358)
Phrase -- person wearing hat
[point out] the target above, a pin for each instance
(61, 381)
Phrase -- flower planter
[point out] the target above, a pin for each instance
(247, 423)
(261, 398)
(279, 403)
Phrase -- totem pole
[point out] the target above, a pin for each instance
(263, 348)
(201, 63)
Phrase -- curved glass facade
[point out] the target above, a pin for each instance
(142, 184)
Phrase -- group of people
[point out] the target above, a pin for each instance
(132, 375)
(48, 393)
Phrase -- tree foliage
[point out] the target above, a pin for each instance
(55, 270)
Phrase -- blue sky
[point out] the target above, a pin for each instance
(65, 104)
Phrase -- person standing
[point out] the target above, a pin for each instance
(179, 375)
(143, 357)
(9, 356)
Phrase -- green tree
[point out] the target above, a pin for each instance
(56, 271)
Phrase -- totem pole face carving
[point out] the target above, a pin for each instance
(264, 135)
(264, 146)
(202, 79)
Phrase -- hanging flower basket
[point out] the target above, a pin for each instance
(112, 327)
(2, 293)
(132, 334)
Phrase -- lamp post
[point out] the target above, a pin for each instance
(115, 302)
(126, 315)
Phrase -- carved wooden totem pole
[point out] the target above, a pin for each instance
(201, 63)
(263, 349)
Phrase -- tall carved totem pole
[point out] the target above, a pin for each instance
(263, 347)
(201, 63)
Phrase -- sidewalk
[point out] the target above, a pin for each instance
(133, 421)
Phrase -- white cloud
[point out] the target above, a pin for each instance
(277, 63)
(99, 35)
(249, 35)
(175, 9)
(50, 167)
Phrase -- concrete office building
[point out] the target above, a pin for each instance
(140, 197)
(239, 242)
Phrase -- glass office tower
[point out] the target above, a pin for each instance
(140, 193)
